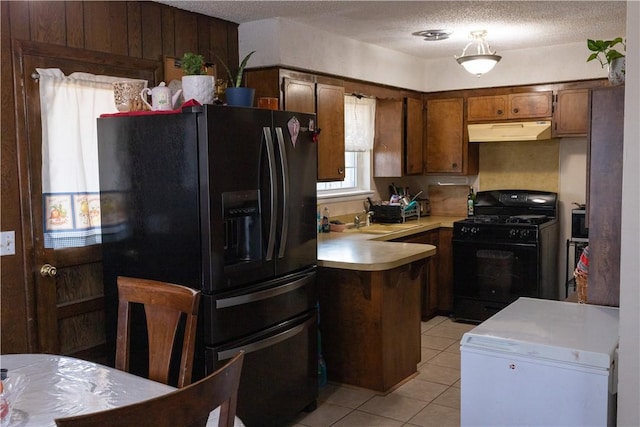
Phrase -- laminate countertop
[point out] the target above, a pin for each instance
(370, 249)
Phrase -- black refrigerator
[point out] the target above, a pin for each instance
(221, 199)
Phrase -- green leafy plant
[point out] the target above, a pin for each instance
(603, 50)
(193, 64)
(235, 79)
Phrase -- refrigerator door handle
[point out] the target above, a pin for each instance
(265, 294)
(285, 192)
(259, 345)
(273, 192)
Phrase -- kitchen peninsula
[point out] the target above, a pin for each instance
(369, 292)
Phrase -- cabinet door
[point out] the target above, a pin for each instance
(330, 114)
(530, 105)
(430, 287)
(571, 115)
(481, 108)
(299, 96)
(445, 270)
(526, 105)
(445, 149)
(388, 149)
(414, 131)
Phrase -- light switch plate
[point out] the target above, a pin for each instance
(7, 243)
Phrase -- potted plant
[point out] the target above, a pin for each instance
(236, 94)
(613, 59)
(196, 84)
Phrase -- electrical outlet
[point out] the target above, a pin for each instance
(7, 243)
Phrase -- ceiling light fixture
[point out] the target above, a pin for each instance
(480, 61)
(433, 35)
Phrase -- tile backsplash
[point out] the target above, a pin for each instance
(527, 165)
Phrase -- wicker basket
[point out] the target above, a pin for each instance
(581, 285)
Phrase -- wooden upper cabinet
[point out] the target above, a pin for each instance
(330, 115)
(487, 108)
(530, 105)
(398, 146)
(571, 113)
(388, 149)
(525, 105)
(445, 150)
(299, 95)
(414, 132)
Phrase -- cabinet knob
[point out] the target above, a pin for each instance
(515, 111)
(499, 112)
(454, 165)
(341, 171)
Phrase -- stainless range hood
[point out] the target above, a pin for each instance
(513, 131)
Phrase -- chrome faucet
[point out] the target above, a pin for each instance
(357, 220)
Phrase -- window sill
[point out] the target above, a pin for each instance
(345, 196)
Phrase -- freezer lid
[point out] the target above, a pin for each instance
(579, 334)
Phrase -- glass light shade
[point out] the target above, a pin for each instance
(478, 64)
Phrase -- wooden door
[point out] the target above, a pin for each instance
(414, 131)
(388, 150)
(444, 151)
(69, 303)
(330, 111)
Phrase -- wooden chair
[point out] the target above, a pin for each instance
(188, 406)
(164, 304)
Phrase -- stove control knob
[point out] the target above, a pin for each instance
(513, 233)
(464, 229)
(474, 230)
(524, 234)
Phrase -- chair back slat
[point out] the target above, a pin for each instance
(164, 305)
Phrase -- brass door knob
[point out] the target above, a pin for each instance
(48, 270)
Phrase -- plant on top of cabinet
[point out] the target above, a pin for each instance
(604, 52)
(609, 57)
(196, 84)
(236, 94)
(192, 64)
(235, 79)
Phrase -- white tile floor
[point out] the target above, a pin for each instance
(432, 398)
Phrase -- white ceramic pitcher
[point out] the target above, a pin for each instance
(161, 97)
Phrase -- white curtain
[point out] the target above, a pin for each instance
(69, 108)
(359, 123)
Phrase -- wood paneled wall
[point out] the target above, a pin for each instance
(136, 29)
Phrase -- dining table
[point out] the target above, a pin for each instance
(53, 386)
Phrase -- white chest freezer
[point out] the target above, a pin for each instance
(541, 363)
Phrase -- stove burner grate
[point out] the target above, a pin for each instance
(527, 219)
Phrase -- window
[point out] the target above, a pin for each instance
(359, 126)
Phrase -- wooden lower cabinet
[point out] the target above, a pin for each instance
(370, 324)
(436, 295)
(445, 270)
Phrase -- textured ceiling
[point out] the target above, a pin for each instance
(389, 24)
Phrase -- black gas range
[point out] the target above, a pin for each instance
(507, 250)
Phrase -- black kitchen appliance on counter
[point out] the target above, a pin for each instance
(222, 199)
(507, 250)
